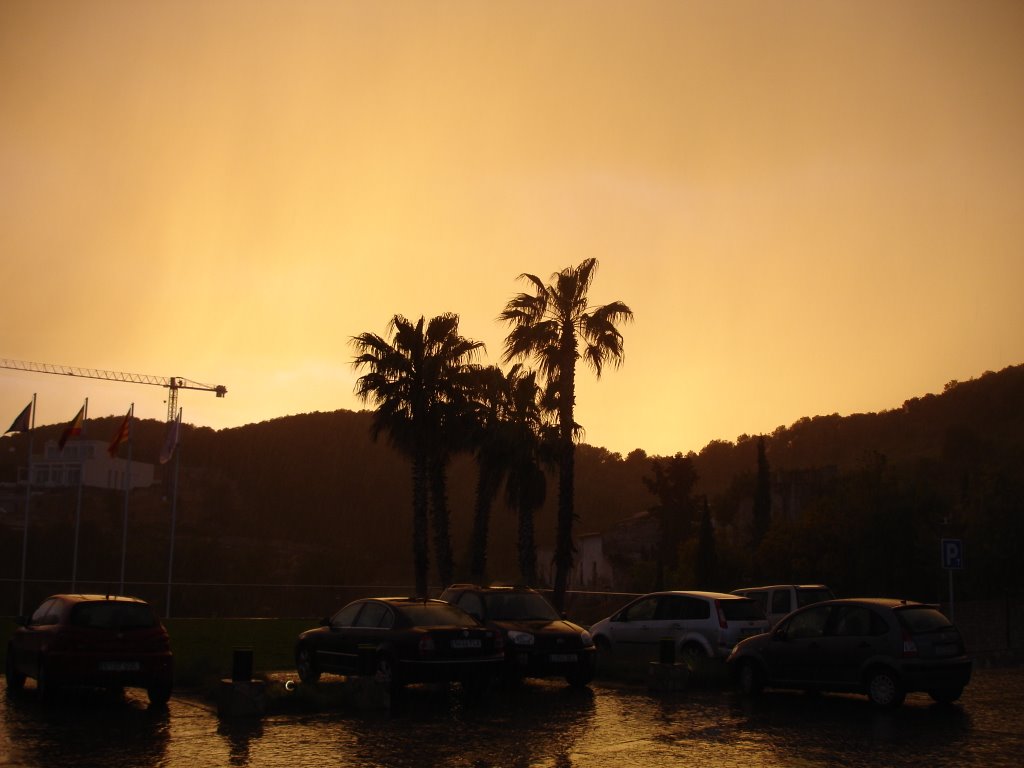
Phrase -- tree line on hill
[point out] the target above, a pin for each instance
(859, 502)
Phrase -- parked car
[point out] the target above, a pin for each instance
(782, 599)
(882, 647)
(702, 625)
(538, 641)
(402, 640)
(102, 641)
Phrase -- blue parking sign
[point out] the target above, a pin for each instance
(953, 554)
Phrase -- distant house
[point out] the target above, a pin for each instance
(85, 461)
(591, 569)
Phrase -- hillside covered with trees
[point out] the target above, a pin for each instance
(859, 502)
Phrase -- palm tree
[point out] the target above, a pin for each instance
(410, 379)
(489, 402)
(549, 326)
(528, 438)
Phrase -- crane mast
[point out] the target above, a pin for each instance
(172, 383)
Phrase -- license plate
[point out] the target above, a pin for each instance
(466, 643)
(562, 658)
(119, 666)
(945, 649)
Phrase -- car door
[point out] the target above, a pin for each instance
(633, 627)
(333, 653)
(793, 654)
(854, 634)
(31, 640)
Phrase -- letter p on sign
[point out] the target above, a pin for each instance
(953, 554)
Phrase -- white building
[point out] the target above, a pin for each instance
(85, 461)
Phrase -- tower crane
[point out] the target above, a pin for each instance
(172, 383)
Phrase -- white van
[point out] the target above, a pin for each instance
(782, 599)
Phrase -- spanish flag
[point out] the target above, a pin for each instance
(123, 433)
(73, 429)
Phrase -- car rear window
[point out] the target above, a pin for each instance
(113, 615)
(742, 609)
(436, 615)
(922, 619)
(808, 596)
(519, 606)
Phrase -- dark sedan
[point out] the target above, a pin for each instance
(401, 640)
(882, 647)
(538, 642)
(91, 640)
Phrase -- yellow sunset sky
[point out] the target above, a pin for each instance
(811, 206)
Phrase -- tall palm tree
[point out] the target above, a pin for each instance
(410, 379)
(528, 439)
(490, 438)
(549, 326)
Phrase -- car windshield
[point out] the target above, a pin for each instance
(808, 596)
(922, 619)
(109, 614)
(740, 610)
(519, 606)
(435, 615)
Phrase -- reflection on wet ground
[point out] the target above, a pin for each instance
(540, 724)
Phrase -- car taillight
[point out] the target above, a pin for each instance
(721, 616)
(426, 645)
(909, 646)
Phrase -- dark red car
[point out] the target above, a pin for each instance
(402, 640)
(102, 641)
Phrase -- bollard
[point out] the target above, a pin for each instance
(241, 665)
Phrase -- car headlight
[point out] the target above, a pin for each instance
(586, 638)
(520, 638)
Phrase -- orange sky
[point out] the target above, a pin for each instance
(811, 207)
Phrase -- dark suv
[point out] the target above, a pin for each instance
(92, 640)
(538, 642)
(882, 647)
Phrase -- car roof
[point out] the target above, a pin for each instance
(882, 602)
(492, 588)
(700, 593)
(81, 597)
(783, 586)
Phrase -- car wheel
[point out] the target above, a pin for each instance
(44, 684)
(884, 689)
(385, 672)
(946, 695)
(751, 681)
(15, 680)
(581, 676)
(692, 656)
(159, 694)
(305, 665)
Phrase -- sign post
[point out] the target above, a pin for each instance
(952, 560)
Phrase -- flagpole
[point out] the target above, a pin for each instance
(127, 488)
(174, 511)
(28, 498)
(78, 506)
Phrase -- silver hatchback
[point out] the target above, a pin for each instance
(702, 625)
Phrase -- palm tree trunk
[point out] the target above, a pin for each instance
(527, 547)
(439, 508)
(486, 490)
(419, 523)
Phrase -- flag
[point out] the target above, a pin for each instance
(73, 429)
(123, 433)
(171, 441)
(23, 422)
